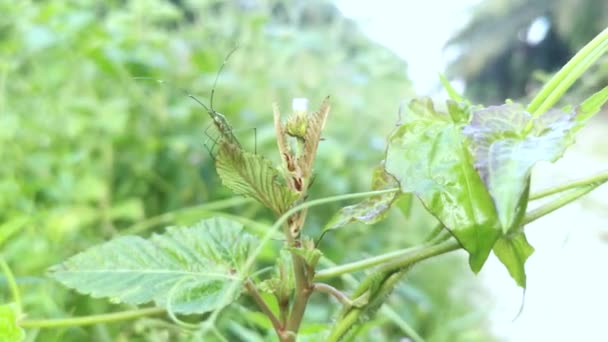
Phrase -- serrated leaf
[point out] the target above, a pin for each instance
(253, 176)
(428, 156)
(505, 150)
(314, 128)
(372, 209)
(513, 251)
(283, 282)
(9, 329)
(186, 269)
(311, 256)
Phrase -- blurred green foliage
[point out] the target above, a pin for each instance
(89, 152)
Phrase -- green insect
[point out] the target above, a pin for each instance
(219, 120)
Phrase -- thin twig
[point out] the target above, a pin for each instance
(330, 290)
(253, 292)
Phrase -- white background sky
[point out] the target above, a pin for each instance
(414, 29)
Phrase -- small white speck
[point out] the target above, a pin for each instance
(300, 104)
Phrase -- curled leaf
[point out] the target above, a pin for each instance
(372, 209)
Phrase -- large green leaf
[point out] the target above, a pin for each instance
(186, 269)
(506, 143)
(513, 251)
(429, 157)
(372, 209)
(251, 175)
(9, 330)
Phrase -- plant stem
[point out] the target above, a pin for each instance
(12, 284)
(388, 280)
(568, 74)
(593, 180)
(330, 290)
(89, 320)
(364, 264)
(385, 309)
(410, 259)
(569, 197)
(272, 231)
(253, 292)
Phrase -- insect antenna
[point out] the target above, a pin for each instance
(217, 76)
(219, 120)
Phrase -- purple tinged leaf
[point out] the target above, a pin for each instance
(429, 157)
(505, 153)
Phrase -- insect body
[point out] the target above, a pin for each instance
(219, 120)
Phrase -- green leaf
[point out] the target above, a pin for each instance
(452, 93)
(372, 209)
(253, 176)
(429, 157)
(9, 329)
(505, 152)
(187, 269)
(591, 105)
(513, 251)
(283, 282)
(311, 256)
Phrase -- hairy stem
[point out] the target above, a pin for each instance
(388, 281)
(386, 309)
(253, 292)
(89, 320)
(332, 291)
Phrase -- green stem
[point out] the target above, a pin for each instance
(388, 283)
(12, 284)
(593, 180)
(332, 291)
(253, 292)
(577, 192)
(436, 231)
(568, 74)
(363, 264)
(569, 197)
(410, 259)
(385, 309)
(403, 325)
(272, 231)
(89, 320)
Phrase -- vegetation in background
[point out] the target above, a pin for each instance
(497, 61)
(91, 154)
(462, 165)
